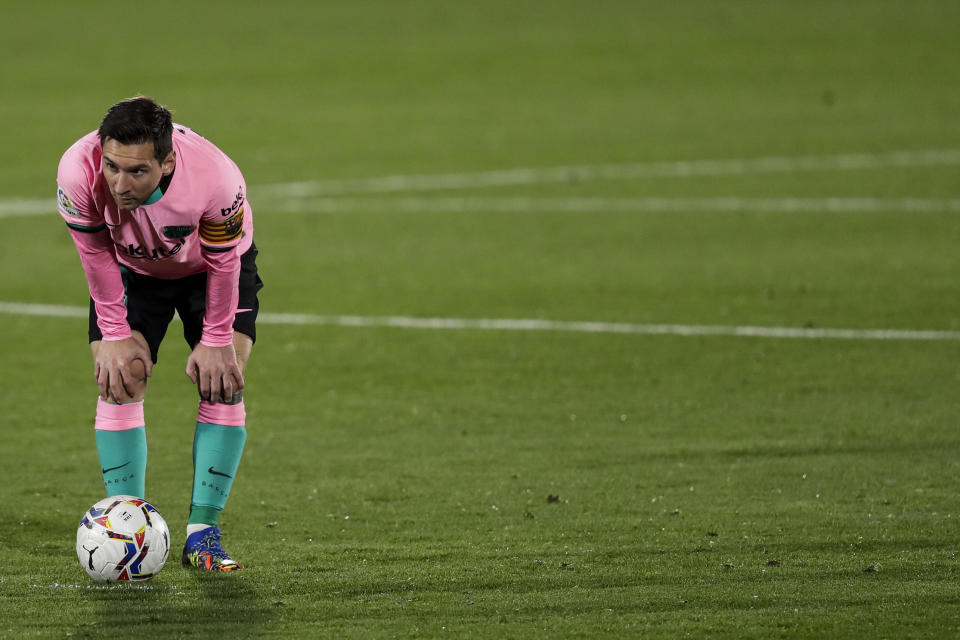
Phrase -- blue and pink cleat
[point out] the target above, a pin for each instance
(203, 551)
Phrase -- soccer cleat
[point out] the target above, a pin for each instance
(203, 551)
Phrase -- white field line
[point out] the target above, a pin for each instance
(731, 204)
(585, 173)
(284, 192)
(488, 324)
(24, 207)
(520, 205)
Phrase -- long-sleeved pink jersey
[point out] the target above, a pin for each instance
(202, 223)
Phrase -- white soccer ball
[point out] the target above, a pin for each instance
(122, 538)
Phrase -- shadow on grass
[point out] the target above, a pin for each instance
(201, 605)
(179, 602)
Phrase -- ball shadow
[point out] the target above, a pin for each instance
(204, 605)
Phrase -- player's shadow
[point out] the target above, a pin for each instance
(205, 605)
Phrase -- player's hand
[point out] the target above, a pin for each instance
(215, 372)
(120, 367)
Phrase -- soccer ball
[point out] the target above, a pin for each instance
(122, 538)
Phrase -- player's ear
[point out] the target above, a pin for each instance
(169, 163)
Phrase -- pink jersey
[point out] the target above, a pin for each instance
(202, 223)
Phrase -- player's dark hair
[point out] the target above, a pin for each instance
(138, 120)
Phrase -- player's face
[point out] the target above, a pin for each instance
(132, 172)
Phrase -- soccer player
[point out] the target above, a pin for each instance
(160, 219)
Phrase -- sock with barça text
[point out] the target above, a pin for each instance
(122, 446)
(217, 447)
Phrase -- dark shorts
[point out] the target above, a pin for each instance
(152, 301)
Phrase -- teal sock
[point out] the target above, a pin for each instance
(123, 460)
(216, 456)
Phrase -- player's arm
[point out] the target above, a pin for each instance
(213, 364)
(118, 350)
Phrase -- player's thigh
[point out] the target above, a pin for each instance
(137, 335)
(248, 306)
(243, 345)
(191, 306)
(150, 307)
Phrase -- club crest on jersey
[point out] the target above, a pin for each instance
(66, 204)
(233, 226)
(222, 232)
(177, 231)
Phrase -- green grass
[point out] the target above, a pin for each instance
(505, 484)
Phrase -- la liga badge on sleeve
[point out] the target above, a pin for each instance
(65, 203)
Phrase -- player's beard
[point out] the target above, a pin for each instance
(127, 202)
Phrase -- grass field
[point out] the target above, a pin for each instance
(673, 173)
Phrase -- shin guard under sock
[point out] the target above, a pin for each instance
(122, 447)
(217, 447)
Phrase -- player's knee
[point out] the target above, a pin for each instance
(138, 372)
(136, 384)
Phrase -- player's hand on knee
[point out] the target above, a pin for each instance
(231, 387)
(121, 368)
(133, 385)
(215, 372)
